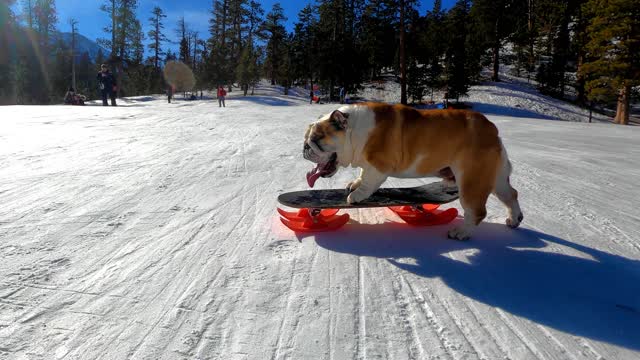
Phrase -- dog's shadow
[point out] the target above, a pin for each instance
(536, 276)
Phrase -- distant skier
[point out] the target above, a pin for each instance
(342, 95)
(311, 97)
(221, 94)
(169, 93)
(107, 84)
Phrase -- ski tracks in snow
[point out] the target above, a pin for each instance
(149, 232)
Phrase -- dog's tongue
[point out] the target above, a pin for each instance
(312, 176)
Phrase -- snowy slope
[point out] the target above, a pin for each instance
(510, 97)
(148, 231)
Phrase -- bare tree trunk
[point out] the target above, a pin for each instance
(113, 28)
(531, 60)
(157, 42)
(195, 51)
(30, 14)
(496, 52)
(622, 113)
(403, 60)
(73, 23)
(580, 96)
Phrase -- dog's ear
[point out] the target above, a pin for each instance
(339, 119)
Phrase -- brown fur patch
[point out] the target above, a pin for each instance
(439, 137)
(462, 139)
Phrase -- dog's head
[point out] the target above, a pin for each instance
(322, 142)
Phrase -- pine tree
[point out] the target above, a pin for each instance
(378, 36)
(60, 76)
(7, 53)
(171, 56)
(253, 19)
(35, 81)
(85, 73)
(74, 31)
(497, 20)
(553, 18)
(156, 35)
(100, 57)
(578, 49)
(29, 13)
(433, 49)
(456, 72)
(274, 33)
(136, 54)
(126, 37)
(404, 9)
(238, 15)
(612, 65)
(185, 49)
(110, 7)
(304, 44)
(416, 80)
(244, 68)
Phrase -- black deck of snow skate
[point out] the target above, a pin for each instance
(434, 193)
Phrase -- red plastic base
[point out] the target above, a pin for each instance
(308, 220)
(427, 215)
(304, 221)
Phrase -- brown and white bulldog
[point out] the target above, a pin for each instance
(400, 141)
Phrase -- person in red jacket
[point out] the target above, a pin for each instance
(221, 94)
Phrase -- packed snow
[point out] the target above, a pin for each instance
(149, 231)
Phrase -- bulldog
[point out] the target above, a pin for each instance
(461, 146)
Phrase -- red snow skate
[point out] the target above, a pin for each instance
(318, 208)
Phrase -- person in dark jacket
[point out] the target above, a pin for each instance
(169, 93)
(107, 84)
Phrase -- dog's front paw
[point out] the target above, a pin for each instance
(355, 184)
(356, 197)
(459, 233)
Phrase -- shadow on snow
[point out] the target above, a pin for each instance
(597, 297)
(265, 100)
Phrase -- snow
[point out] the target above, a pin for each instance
(511, 97)
(149, 231)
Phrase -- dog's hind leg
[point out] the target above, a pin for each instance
(475, 184)
(473, 201)
(506, 193)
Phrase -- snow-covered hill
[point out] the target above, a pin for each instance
(148, 231)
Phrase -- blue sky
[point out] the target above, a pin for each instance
(196, 13)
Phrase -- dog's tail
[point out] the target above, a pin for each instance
(502, 187)
(505, 192)
(505, 165)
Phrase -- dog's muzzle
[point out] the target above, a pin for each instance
(327, 163)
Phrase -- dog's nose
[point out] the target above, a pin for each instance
(306, 146)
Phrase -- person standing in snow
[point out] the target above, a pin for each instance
(342, 95)
(311, 97)
(169, 93)
(221, 94)
(107, 84)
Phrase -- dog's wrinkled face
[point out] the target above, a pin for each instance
(321, 143)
